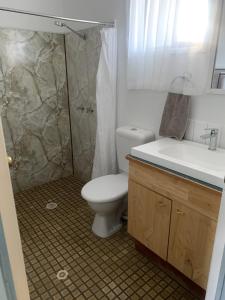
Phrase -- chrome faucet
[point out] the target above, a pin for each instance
(212, 136)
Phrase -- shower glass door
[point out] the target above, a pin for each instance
(82, 65)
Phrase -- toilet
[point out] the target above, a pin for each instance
(107, 195)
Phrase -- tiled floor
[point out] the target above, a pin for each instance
(98, 268)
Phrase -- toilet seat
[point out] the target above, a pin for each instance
(106, 188)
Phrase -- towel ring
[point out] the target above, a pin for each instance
(186, 77)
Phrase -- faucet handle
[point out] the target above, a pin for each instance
(212, 130)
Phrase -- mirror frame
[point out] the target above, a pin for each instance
(213, 90)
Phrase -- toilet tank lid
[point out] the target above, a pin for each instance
(135, 132)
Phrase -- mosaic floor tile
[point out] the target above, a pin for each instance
(61, 239)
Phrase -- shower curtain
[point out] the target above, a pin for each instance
(105, 149)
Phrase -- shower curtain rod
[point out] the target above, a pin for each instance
(18, 11)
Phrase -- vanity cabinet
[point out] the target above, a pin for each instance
(191, 243)
(174, 217)
(150, 218)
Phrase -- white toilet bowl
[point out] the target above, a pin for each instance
(106, 195)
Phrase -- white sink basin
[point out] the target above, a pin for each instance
(188, 158)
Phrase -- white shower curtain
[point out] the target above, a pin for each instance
(105, 149)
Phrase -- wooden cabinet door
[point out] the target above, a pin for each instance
(191, 243)
(149, 218)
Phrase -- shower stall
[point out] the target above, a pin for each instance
(82, 58)
(48, 101)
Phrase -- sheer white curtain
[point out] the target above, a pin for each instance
(105, 149)
(172, 38)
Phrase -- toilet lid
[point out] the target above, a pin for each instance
(106, 188)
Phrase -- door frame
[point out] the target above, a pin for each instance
(10, 226)
(217, 268)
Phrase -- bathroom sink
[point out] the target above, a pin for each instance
(185, 157)
(198, 155)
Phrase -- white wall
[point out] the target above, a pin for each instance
(97, 10)
(140, 108)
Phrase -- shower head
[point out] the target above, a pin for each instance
(61, 24)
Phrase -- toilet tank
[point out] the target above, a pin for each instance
(128, 137)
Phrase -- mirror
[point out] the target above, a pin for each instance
(218, 79)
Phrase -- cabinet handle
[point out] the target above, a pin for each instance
(180, 212)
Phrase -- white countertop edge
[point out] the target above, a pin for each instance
(159, 160)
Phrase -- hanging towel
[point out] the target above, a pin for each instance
(175, 116)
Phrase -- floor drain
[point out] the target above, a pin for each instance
(62, 275)
(51, 205)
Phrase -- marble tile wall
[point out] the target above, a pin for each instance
(34, 106)
(82, 65)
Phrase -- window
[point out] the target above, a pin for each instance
(170, 23)
(169, 38)
(192, 21)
